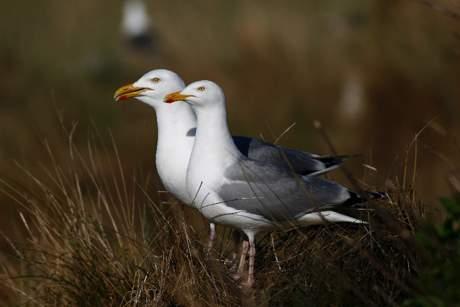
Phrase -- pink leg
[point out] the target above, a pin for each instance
(242, 263)
(244, 252)
(252, 259)
(212, 235)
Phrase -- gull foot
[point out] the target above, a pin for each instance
(248, 284)
(236, 276)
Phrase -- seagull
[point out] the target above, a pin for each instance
(251, 195)
(176, 136)
(136, 25)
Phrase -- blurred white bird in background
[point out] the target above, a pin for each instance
(353, 101)
(136, 26)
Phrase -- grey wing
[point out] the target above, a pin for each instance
(276, 193)
(300, 162)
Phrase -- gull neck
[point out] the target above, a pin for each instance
(212, 130)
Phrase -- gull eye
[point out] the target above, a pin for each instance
(201, 88)
(155, 80)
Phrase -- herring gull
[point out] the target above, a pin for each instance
(251, 195)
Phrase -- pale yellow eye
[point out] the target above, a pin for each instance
(155, 80)
(201, 88)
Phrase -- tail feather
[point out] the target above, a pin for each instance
(322, 171)
(325, 217)
(330, 163)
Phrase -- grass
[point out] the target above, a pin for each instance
(98, 240)
(106, 243)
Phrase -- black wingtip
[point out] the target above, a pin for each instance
(357, 200)
(336, 160)
(377, 195)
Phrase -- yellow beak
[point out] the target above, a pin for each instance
(176, 96)
(128, 91)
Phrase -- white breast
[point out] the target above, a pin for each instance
(174, 148)
(172, 168)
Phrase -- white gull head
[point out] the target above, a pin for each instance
(200, 94)
(152, 87)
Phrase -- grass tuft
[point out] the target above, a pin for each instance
(100, 240)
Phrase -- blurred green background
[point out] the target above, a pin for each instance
(373, 72)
